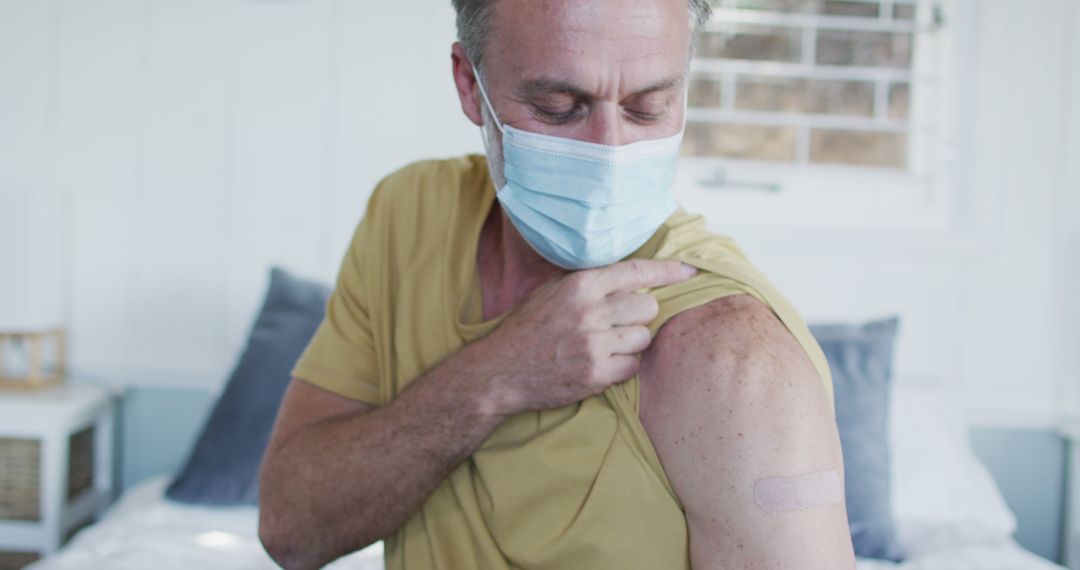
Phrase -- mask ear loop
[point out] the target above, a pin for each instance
(685, 104)
(483, 94)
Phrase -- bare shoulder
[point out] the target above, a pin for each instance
(721, 346)
(729, 399)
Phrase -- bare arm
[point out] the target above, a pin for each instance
(338, 475)
(733, 405)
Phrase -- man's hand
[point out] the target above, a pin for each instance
(574, 336)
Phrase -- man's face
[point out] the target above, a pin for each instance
(605, 71)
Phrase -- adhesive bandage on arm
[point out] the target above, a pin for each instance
(800, 492)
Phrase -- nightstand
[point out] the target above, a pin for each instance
(1072, 492)
(56, 466)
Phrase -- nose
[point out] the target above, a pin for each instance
(605, 127)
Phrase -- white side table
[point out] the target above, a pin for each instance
(1071, 431)
(54, 418)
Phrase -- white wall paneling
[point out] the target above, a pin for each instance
(31, 228)
(190, 144)
(1009, 353)
(1067, 278)
(185, 187)
(99, 152)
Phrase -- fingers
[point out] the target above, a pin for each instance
(625, 340)
(621, 308)
(621, 367)
(635, 274)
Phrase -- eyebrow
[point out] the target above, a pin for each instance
(544, 86)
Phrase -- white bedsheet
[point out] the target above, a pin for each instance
(1003, 555)
(144, 530)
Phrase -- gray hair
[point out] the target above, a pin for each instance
(474, 20)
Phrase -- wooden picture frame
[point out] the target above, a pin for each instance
(37, 375)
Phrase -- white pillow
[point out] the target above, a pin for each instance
(943, 496)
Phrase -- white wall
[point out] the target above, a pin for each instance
(1068, 276)
(31, 240)
(195, 142)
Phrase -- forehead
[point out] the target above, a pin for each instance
(606, 46)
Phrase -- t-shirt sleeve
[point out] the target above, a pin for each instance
(341, 356)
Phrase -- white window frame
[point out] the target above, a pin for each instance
(740, 193)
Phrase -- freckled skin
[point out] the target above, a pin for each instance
(733, 356)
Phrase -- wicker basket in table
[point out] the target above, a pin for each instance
(20, 496)
(20, 481)
(16, 560)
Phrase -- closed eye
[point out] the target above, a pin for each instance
(558, 117)
(643, 117)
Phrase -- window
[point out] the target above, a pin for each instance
(825, 102)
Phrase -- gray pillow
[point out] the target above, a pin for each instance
(860, 358)
(223, 468)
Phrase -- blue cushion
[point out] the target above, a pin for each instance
(223, 468)
(860, 358)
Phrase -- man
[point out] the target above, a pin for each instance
(520, 369)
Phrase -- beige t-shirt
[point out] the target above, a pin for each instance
(574, 487)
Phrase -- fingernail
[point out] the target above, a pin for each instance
(689, 270)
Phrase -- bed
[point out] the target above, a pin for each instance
(949, 514)
(145, 530)
(915, 490)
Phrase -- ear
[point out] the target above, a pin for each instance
(465, 81)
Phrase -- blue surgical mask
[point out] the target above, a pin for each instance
(580, 204)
